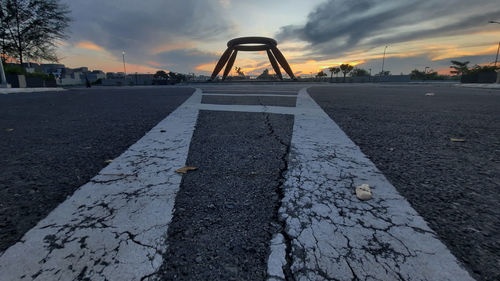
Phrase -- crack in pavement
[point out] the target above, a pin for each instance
(274, 273)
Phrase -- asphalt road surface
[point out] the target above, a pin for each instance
(272, 196)
(226, 211)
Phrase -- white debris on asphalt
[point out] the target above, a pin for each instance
(363, 192)
(276, 259)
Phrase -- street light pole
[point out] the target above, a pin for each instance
(3, 83)
(496, 58)
(124, 69)
(383, 61)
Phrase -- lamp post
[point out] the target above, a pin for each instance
(124, 69)
(3, 83)
(498, 48)
(383, 61)
(496, 58)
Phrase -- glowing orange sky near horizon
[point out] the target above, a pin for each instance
(96, 57)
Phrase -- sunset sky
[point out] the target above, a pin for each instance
(190, 35)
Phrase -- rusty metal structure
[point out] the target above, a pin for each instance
(252, 44)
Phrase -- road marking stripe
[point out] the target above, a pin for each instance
(248, 108)
(207, 90)
(6, 91)
(115, 226)
(329, 233)
(249, 95)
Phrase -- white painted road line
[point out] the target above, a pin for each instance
(334, 236)
(248, 108)
(114, 227)
(29, 90)
(246, 91)
(249, 95)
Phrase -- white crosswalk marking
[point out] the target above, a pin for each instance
(114, 227)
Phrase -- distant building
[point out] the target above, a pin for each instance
(201, 78)
(95, 75)
(119, 79)
(49, 68)
(141, 79)
(77, 76)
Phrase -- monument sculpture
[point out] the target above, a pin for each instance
(252, 44)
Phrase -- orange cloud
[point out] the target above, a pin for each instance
(454, 53)
(89, 46)
(154, 63)
(209, 67)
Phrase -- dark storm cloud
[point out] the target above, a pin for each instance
(139, 26)
(339, 25)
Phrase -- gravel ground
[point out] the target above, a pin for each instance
(453, 185)
(225, 212)
(52, 143)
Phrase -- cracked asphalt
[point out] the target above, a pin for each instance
(52, 143)
(453, 185)
(226, 210)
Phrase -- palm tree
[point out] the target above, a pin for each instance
(461, 68)
(346, 68)
(321, 74)
(333, 70)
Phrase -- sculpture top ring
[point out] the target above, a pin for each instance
(252, 44)
(251, 40)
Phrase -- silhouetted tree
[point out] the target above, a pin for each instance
(238, 70)
(417, 75)
(357, 72)
(321, 74)
(421, 75)
(265, 75)
(333, 70)
(176, 77)
(160, 74)
(479, 69)
(461, 68)
(30, 29)
(346, 68)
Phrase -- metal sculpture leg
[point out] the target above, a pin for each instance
(222, 61)
(281, 59)
(274, 64)
(230, 64)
